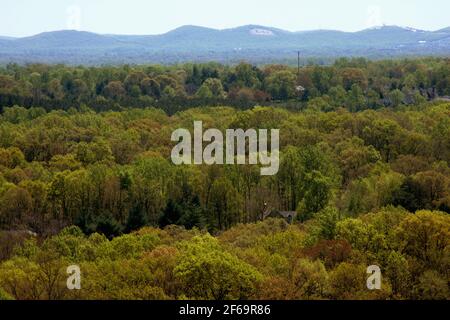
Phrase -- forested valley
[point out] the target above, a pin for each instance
(86, 179)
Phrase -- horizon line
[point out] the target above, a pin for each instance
(225, 29)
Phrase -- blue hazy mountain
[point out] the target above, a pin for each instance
(193, 43)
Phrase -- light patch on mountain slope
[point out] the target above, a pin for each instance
(261, 32)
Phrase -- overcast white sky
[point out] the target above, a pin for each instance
(28, 17)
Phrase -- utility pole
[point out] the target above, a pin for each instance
(299, 88)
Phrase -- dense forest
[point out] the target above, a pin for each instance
(86, 178)
(357, 84)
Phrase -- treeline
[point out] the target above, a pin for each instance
(356, 84)
(111, 172)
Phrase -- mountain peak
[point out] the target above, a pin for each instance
(258, 29)
(385, 27)
(67, 39)
(190, 29)
(63, 32)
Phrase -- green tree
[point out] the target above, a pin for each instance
(211, 88)
(281, 85)
(208, 272)
(396, 98)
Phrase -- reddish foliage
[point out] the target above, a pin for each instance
(331, 252)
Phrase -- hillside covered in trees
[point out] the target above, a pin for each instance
(86, 178)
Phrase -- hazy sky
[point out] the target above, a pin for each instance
(28, 17)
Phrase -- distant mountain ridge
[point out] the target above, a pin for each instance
(193, 43)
